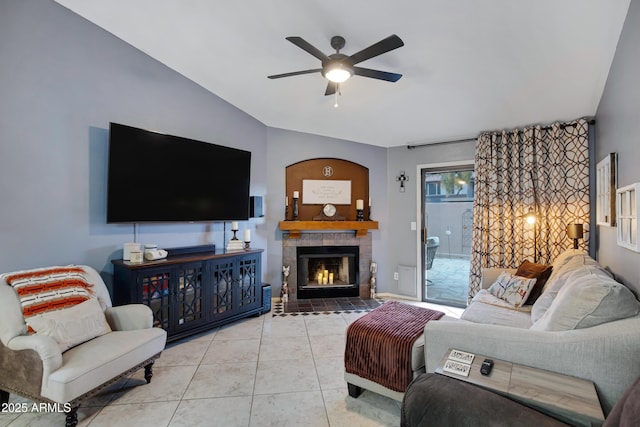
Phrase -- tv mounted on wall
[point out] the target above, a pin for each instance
(153, 177)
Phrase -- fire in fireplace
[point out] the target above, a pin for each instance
(327, 271)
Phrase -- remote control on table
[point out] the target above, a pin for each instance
(485, 369)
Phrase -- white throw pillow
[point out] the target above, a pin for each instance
(72, 326)
(513, 289)
(588, 300)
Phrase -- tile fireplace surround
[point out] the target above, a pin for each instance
(289, 246)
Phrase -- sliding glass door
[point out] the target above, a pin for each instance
(447, 215)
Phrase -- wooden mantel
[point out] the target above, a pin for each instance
(295, 228)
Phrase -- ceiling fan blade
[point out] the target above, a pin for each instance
(383, 46)
(306, 46)
(376, 74)
(295, 73)
(331, 88)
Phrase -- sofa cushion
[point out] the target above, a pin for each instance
(99, 360)
(540, 272)
(567, 262)
(588, 300)
(72, 326)
(512, 289)
(438, 400)
(486, 308)
(561, 260)
(574, 267)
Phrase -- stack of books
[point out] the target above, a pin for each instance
(235, 245)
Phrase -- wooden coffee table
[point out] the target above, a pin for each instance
(563, 396)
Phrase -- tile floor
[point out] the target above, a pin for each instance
(261, 371)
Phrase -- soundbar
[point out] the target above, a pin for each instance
(189, 250)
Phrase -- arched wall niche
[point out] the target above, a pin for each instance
(327, 169)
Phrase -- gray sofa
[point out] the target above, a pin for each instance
(583, 324)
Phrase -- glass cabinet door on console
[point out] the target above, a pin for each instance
(222, 288)
(154, 285)
(188, 296)
(248, 281)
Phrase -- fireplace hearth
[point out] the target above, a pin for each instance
(327, 271)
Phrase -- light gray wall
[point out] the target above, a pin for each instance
(618, 130)
(287, 147)
(403, 206)
(62, 80)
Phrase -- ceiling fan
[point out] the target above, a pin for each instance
(338, 67)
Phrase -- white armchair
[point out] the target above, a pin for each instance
(36, 367)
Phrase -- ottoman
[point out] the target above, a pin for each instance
(385, 349)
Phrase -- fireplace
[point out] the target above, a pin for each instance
(312, 239)
(327, 271)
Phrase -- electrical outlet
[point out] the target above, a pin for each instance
(395, 275)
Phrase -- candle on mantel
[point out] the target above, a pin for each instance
(247, 235)
(286, 200)
(359, 204)
(331, 278)
(369, 201)
(234, 225)
(319, 278)
(296, 195)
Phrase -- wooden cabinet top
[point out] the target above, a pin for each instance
(177, 259)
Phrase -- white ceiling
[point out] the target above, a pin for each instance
(467, 65)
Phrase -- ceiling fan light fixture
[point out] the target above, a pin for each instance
(338, 72)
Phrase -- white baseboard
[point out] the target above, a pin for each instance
(395, 296)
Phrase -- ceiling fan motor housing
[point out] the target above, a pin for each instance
(337, 42)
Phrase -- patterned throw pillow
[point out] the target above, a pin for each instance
(48, 289)
(540, 272)
(513, 289)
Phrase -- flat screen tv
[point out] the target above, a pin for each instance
(153, 177)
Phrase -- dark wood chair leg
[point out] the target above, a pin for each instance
(4, 397)
(72, 417)
(148, 372)
(354, 390)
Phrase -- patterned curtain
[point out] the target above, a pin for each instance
(544, 169)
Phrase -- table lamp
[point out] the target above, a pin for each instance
(575, 232)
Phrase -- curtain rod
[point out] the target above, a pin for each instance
(547, 127)
(411, 147)
(590, 121)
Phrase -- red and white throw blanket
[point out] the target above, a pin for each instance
(47, 289)
(379, 344)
